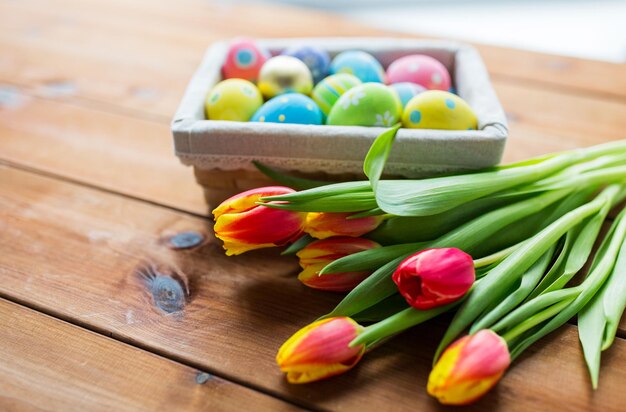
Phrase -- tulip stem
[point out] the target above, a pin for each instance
(536, 320)
(495, 257)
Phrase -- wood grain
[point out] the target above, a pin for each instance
(47, 364)
(101, 261)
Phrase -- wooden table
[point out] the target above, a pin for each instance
(98, 312)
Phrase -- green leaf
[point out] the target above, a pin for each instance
(527, 283)
(431, 196)
(378, 154)
(285, 179)
(346, 202)
(382, 310)
(296, 246)
(510, 269)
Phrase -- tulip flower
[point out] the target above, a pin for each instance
(320, 253)
(244, 225)
(434, 277)
(469, 368)
(322, 225)
(320, 350)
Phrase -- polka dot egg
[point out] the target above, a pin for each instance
(406, 91)
(289, 108)
(244, 60)
(316, 59)
(233, 99)
(329, 90)
(370, 104)
(436, 109)
(420, 69)
(360, 64)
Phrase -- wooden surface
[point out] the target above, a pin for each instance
(98, 311)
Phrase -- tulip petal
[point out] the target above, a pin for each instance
(322, 225)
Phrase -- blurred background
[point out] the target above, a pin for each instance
(592, 29)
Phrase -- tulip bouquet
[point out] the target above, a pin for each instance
(498, 247)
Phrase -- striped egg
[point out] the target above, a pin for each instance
(329, 90)
(436, 109)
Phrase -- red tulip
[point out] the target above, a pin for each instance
(320, 253)
(469, 368)
(320, 350)
(434, 277)
(243, 225)
(323, 225)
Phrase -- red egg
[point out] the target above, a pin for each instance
(244, 60)
(419, 69)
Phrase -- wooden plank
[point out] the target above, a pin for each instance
(47, 364)
(113, 151)
(151, 50)
(81, 255)
(135, 157)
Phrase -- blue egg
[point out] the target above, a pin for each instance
(360, 64)
(289, 108)
(406, 91)
(316, 59)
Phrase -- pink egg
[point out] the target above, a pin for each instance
(244, 60)
(420, 69)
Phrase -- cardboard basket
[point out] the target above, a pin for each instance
(221, 152)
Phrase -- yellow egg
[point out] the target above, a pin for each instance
(233, 99)
(436, 109)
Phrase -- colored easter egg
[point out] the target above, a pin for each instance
(329, 90)
(369, 104)
(406, 91)
(316, 59)
(436, 109)
(289, 108)
(284, 74)
(244, 60)
(360, 64)
(233, 99)
(420, 69)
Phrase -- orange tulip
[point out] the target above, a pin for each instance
(243, 225)
(320, 350)
(469, 368)
(326, 224)
(320, 253)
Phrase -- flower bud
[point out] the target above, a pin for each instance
(320, 253)
(435, 277)
(243, 225)
(469, 368)
(320, 350)
(322, 225)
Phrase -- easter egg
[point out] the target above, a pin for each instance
(316, 59)
(406, 91)
(420, 69)
(360, 64)
(244, 60)
(328, 91)
(284, 74)
(289, 108)
(436, 109)
(369, 104)
(233, 99)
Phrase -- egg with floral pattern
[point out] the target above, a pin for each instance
(328, 91)
(420, 69)
(360, 64)
(370, 104)
(406, 91)
(289, 108)
(233, 99)
(244, 59)
(316, 59)
(436, 109)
